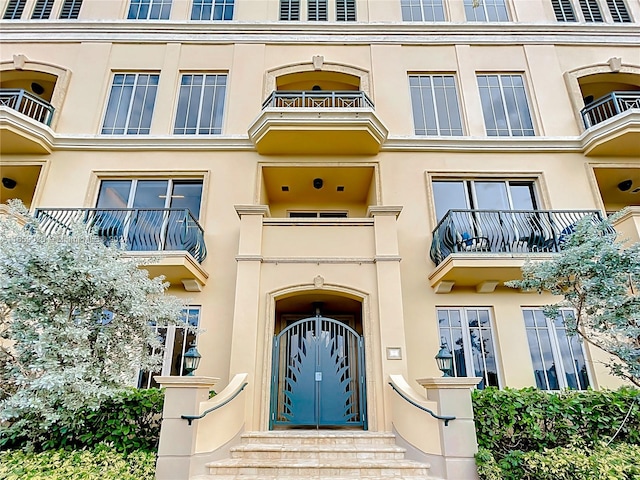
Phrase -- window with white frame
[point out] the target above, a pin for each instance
(468, 334)
(563, 10)
(212, 10)
(149, 10)
(200, 104)
(14, 9)
(486, 11)
(619, 12)
(176, 340)
(434, 101)
(504, 105)
(591, 11)
(346, 10)
(42, 10)
(558, 358)
(290, 10)
(422, 10)
(70, 9)
(317, 10)
(130, 105)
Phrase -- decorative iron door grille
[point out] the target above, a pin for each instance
(318, 375)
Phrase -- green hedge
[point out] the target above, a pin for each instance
(531, 419)
(102, 463)
(616, 462)
(128, 421)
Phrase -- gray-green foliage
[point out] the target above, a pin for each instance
(75, 321)
(599, 279)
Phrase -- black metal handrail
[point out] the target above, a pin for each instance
(191, 418)
(136, 229)
(445, 418)
(504, 231)
(27, 104)
(318, 99)
(609, 106)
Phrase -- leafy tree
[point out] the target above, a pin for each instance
(75, 323)
(599, 278)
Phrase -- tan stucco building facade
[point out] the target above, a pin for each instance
(380, 166)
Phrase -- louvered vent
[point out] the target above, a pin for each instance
(42, 10)
(346, 10)
(619, 11)
(591, 11)
(563, 10)
(70, 9)
(14, 9)
(317, 10)
(289, 9)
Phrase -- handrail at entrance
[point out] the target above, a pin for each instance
(445, 418)
(191, 418)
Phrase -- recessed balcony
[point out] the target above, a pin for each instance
(613, 125)
(318, 122)
(24, 122)
(485, 248)
(172, 236)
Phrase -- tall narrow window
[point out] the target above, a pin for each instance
(289, 9)
(563, 10)
(14, 10)
(130, 105)
(212, 10)
(558, 358)
(200, 104)
(70, 9)
(317, 10)
(486, 11)
(176, 340)
(422, 10)
(42, 10)
(435, 105)
(346, 10)
(468, 334)
(591, 10)
(149, 10)
(504, 105)
(619, 11)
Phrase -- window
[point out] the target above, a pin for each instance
(317, 10)
(200, 104)
(14, 9)
(422, 10)
(130, 105)
(212, 10)
(487, 11)
(42, 10)
(619, 11)
(289, 9)
(468, 334)
(346, 10)
(558, 358)
(149, 10)
(504, 105)
(563, 10)
(176, 340)
(435, 105)
(591, 11)
(70, 9)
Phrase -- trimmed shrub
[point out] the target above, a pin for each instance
(128, 421)
(102, 463)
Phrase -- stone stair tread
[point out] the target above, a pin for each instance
(278, 447)
(317, 462)
(305, 477)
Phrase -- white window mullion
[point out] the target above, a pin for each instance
(168, 350)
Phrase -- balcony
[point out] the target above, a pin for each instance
(318, 122)
(174, 234)
(485, 248)
(613, 125)
(24, 122)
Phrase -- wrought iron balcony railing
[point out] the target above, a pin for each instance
(318, 99)
(136, 229)
(609, 106)
(504, 231)
(27, 104)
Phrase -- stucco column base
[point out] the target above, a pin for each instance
(183, 396)
(458, 439)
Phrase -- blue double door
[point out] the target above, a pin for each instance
(318, 375)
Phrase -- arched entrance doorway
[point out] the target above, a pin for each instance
(318, 370)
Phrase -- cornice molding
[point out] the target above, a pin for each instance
(52, 31)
